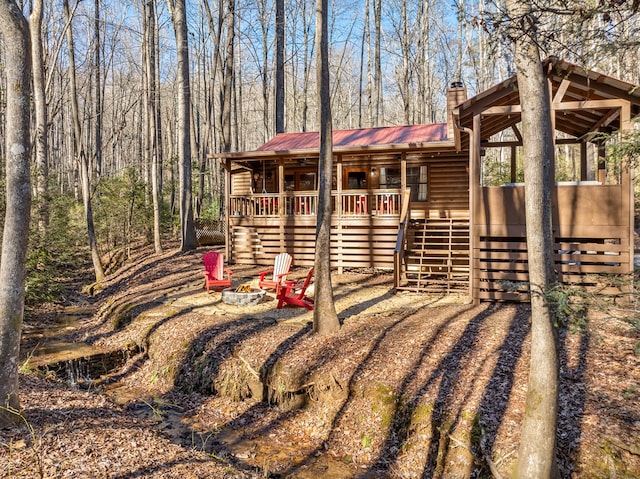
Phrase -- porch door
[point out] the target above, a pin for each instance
(359, 178)
(301, 180)
(356, 178)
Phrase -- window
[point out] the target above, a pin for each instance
(390, 178)
(307, 182)
(300, 181)
(357, 180)
(416, 180)
(289, 182)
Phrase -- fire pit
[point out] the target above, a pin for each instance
(242, 298)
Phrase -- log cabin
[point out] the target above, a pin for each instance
(442, 205)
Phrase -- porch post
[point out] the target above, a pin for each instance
(227, 208)
(474, 200)
(339, 210)
(281, 205)
(583, 161)
(403, 175)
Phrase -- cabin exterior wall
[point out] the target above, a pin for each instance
(364, 221)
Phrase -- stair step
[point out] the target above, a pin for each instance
(437, 256)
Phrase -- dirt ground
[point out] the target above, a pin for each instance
(411, 386)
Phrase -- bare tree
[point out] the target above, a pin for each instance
(306, 53)
(263, 8)
(178, 12)
(377, 61)
(363, 45)
(325, 318)
(150, 47)
(461, 41)
(279, 66)
(537, 453)
(41, 188)
(227, 83)
(79, 150)
(97, 98)
(15, 31)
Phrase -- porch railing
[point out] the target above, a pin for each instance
(380, 202)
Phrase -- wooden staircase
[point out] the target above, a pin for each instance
(436, 256)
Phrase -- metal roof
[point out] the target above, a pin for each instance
(362, 137)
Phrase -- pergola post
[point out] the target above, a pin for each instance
(626, 180)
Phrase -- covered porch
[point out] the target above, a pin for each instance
(273, 208)
(380, 177)
(592, 196)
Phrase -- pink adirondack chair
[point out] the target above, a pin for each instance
(293, 293)
(270, 278)
(214, 271)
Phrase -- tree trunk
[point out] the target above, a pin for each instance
(15, 31)
(97, 99)
(158, 107)
(364, 42)
(305, 67)
(79, 153)
(537, 453)
(41, 188)
(405, 41)
(377, 14)
(279, 66)
(152, 117)
(227, 83)
(325, 318)
(458, 75)
(179, 19)
(264, 25)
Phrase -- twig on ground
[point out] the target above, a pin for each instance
(251, 370)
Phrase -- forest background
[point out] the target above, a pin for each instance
(110, 83)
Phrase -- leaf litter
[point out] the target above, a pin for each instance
(411, 386)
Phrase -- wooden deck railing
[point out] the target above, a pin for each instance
(401, 241)
(385, 202)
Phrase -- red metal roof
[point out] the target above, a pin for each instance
(391, 135)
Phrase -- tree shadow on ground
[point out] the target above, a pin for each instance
(206, 356)
(573, 397)
(444, 416)
(495, 398)
(211, 348)
(351, 390)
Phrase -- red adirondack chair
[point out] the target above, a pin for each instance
(293, 293)
(214, 271)
(270, 278)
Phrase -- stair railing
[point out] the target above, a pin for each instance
(401, 240)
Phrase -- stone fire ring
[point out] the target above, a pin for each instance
(230, 296)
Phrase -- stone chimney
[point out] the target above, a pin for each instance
(456, 94)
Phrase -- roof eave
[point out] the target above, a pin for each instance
(400, 147)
